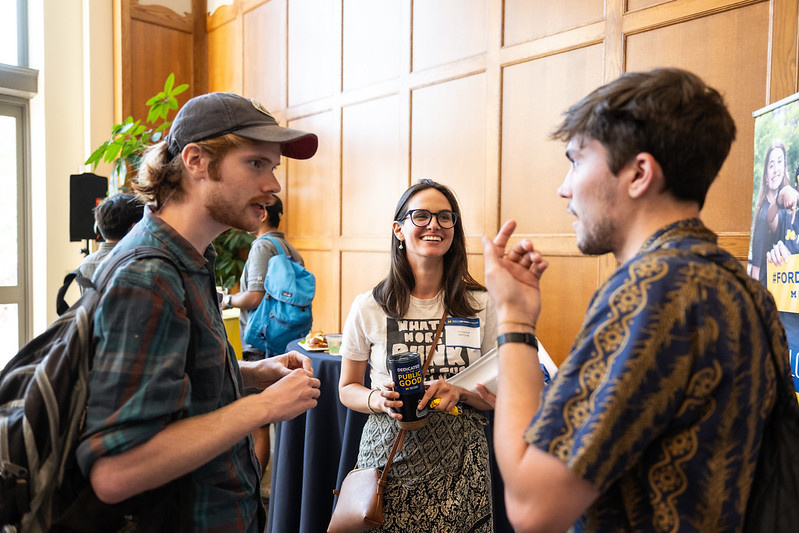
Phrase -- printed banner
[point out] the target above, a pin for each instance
(774, 244)
(783, 283)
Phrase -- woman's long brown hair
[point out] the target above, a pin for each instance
(394, 292)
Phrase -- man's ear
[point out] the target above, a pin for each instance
(647, 176)
(194, 160)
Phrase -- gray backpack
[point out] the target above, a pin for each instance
(43, 394)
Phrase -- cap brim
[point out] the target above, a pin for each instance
(295, 144)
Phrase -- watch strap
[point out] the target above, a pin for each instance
(524, 338)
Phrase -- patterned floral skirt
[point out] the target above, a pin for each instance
(440, 481)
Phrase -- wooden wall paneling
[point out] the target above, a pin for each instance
(526, 20)
(314, 50)
(371, 175)
(614, 41)
(123, 62)
(466, 92)
(223, 15)
(324, 266)
(150, 42)
(535, 95)
(166, 50)
(448, 142)
(447, 30)
(477, 266)
(363, 271)
(225, 57)
(312, 192)
(493, 124)
(199, 79)
(703, 46)
(783, 52)
(566, 290)
(313, 184)
(264, 56)
(371, 41)
(634, 5)
(162, 16)
(553, 44)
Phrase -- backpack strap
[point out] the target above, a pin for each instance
(61, 305)
(279, 247)
(107, 271)
(112, 263)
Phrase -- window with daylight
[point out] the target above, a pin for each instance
(17, 86)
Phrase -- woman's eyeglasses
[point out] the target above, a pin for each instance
(422, 217)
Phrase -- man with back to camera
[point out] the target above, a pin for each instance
(114, 216)
(215, 170)
(655, 419)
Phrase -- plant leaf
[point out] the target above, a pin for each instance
(96, 155)
(179, 89)
(170, 82)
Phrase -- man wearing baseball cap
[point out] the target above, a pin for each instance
(168, 426)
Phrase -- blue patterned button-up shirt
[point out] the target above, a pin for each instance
(662, 401)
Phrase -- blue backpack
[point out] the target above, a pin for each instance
(285, 312)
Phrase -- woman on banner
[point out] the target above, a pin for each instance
(440, 481)
(774, 180)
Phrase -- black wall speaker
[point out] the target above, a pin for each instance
(85, 192)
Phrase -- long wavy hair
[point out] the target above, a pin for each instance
(394, 292)
(776, 144)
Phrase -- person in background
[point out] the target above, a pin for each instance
(774, 181)
(252, 282)
(440, 481)
(156, 412)
(783, 224)
(253, 278)
(114, 217)
(655, 419)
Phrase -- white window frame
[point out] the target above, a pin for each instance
(18, 85)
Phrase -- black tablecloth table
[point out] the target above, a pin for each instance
(313, 453)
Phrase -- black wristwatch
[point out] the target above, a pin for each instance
(526, 338)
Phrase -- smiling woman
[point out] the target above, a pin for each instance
(428, 278)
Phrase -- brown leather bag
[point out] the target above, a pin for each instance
(360, 500)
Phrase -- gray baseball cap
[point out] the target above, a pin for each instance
(215, 114)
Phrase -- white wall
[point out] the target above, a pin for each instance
(71, 44)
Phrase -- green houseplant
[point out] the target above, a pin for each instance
(130, 138)
(124, 151)
(232, 248)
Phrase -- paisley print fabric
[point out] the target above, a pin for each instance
(440, 481)
(663, 398)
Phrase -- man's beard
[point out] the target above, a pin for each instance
(598, 239)
(225, 213)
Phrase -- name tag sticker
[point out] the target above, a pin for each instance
(463, 332)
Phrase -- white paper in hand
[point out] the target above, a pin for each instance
(486, 370)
